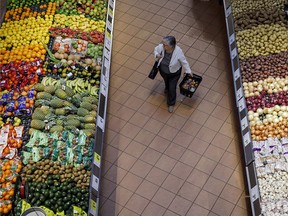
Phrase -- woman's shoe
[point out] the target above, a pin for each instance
(170, 109)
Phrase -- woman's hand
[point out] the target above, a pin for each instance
(190, 74)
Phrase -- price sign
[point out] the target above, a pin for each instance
(244, 123)
(108, 36)
(103, 90)
(110, 11)
(246, 139)
(100, 122)
(239, 94)
(236, 74)
(241, 104)
(95, 183)
(97, 159)
(93, 206)
(233, 53)
(107, 53)
(254, 193)
(231, 38)
(106, 63)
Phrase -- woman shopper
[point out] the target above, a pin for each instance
(170, 59)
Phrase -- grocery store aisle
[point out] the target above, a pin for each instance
(156, 163)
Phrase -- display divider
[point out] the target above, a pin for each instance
(252, 181)
(101, 114)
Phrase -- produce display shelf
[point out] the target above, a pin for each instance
(102, 108)
(94, 189)
(252, 181)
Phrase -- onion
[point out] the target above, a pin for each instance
(260, 111)
(250, 117)
(277, 108)
(285, 114)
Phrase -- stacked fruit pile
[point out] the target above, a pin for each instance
(262, 41)
(50, 68)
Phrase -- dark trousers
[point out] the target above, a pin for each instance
(171, 80)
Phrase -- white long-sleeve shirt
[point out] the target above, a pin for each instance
(178, 59)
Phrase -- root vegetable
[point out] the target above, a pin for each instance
(262, 40)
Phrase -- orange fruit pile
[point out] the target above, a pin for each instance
(26, 53)
(25, 12)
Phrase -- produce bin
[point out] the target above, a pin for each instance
(53, 102)
(257, 40)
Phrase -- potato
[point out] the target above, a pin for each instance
(262, 40)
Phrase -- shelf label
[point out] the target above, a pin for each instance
(97, 159)
(231, 38)
(233, 53)
(100, 122)
(246, 139)
(228, 11)
(236, 74)
(103, 90)
(95, 182)
(239, 94)
(241, 104)
(93, 206)
(244, 123)
(107, 53)
(107, 63)
(254, 193)
(108, 35)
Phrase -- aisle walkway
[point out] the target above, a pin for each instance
(157, 163)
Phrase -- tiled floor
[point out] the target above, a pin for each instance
(157, 163)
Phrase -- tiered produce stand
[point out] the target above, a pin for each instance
(258, 44)
(54, 78)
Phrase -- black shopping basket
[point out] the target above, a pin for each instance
(189, 84)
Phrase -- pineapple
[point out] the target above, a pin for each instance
(38, 114)
(37, 124)
(61, 94)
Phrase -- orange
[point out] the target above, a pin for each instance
(9, 206)
(6, 210)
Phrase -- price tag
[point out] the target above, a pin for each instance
(97, 159)
(38, 71)
(231, 38)
(108, 35)
(107, 53)
(3, 138)
(246, 139)
(95, 183)
(100, 122)
(233, 53)
(110, 11)
(236, 74)
(103, 90)
(228, 11)
(239, 94)
(254, 193)
(244, 123)
(93, 206)
(241, 104)
(106, 63)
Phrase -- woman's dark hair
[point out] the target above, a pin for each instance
(171, 40)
